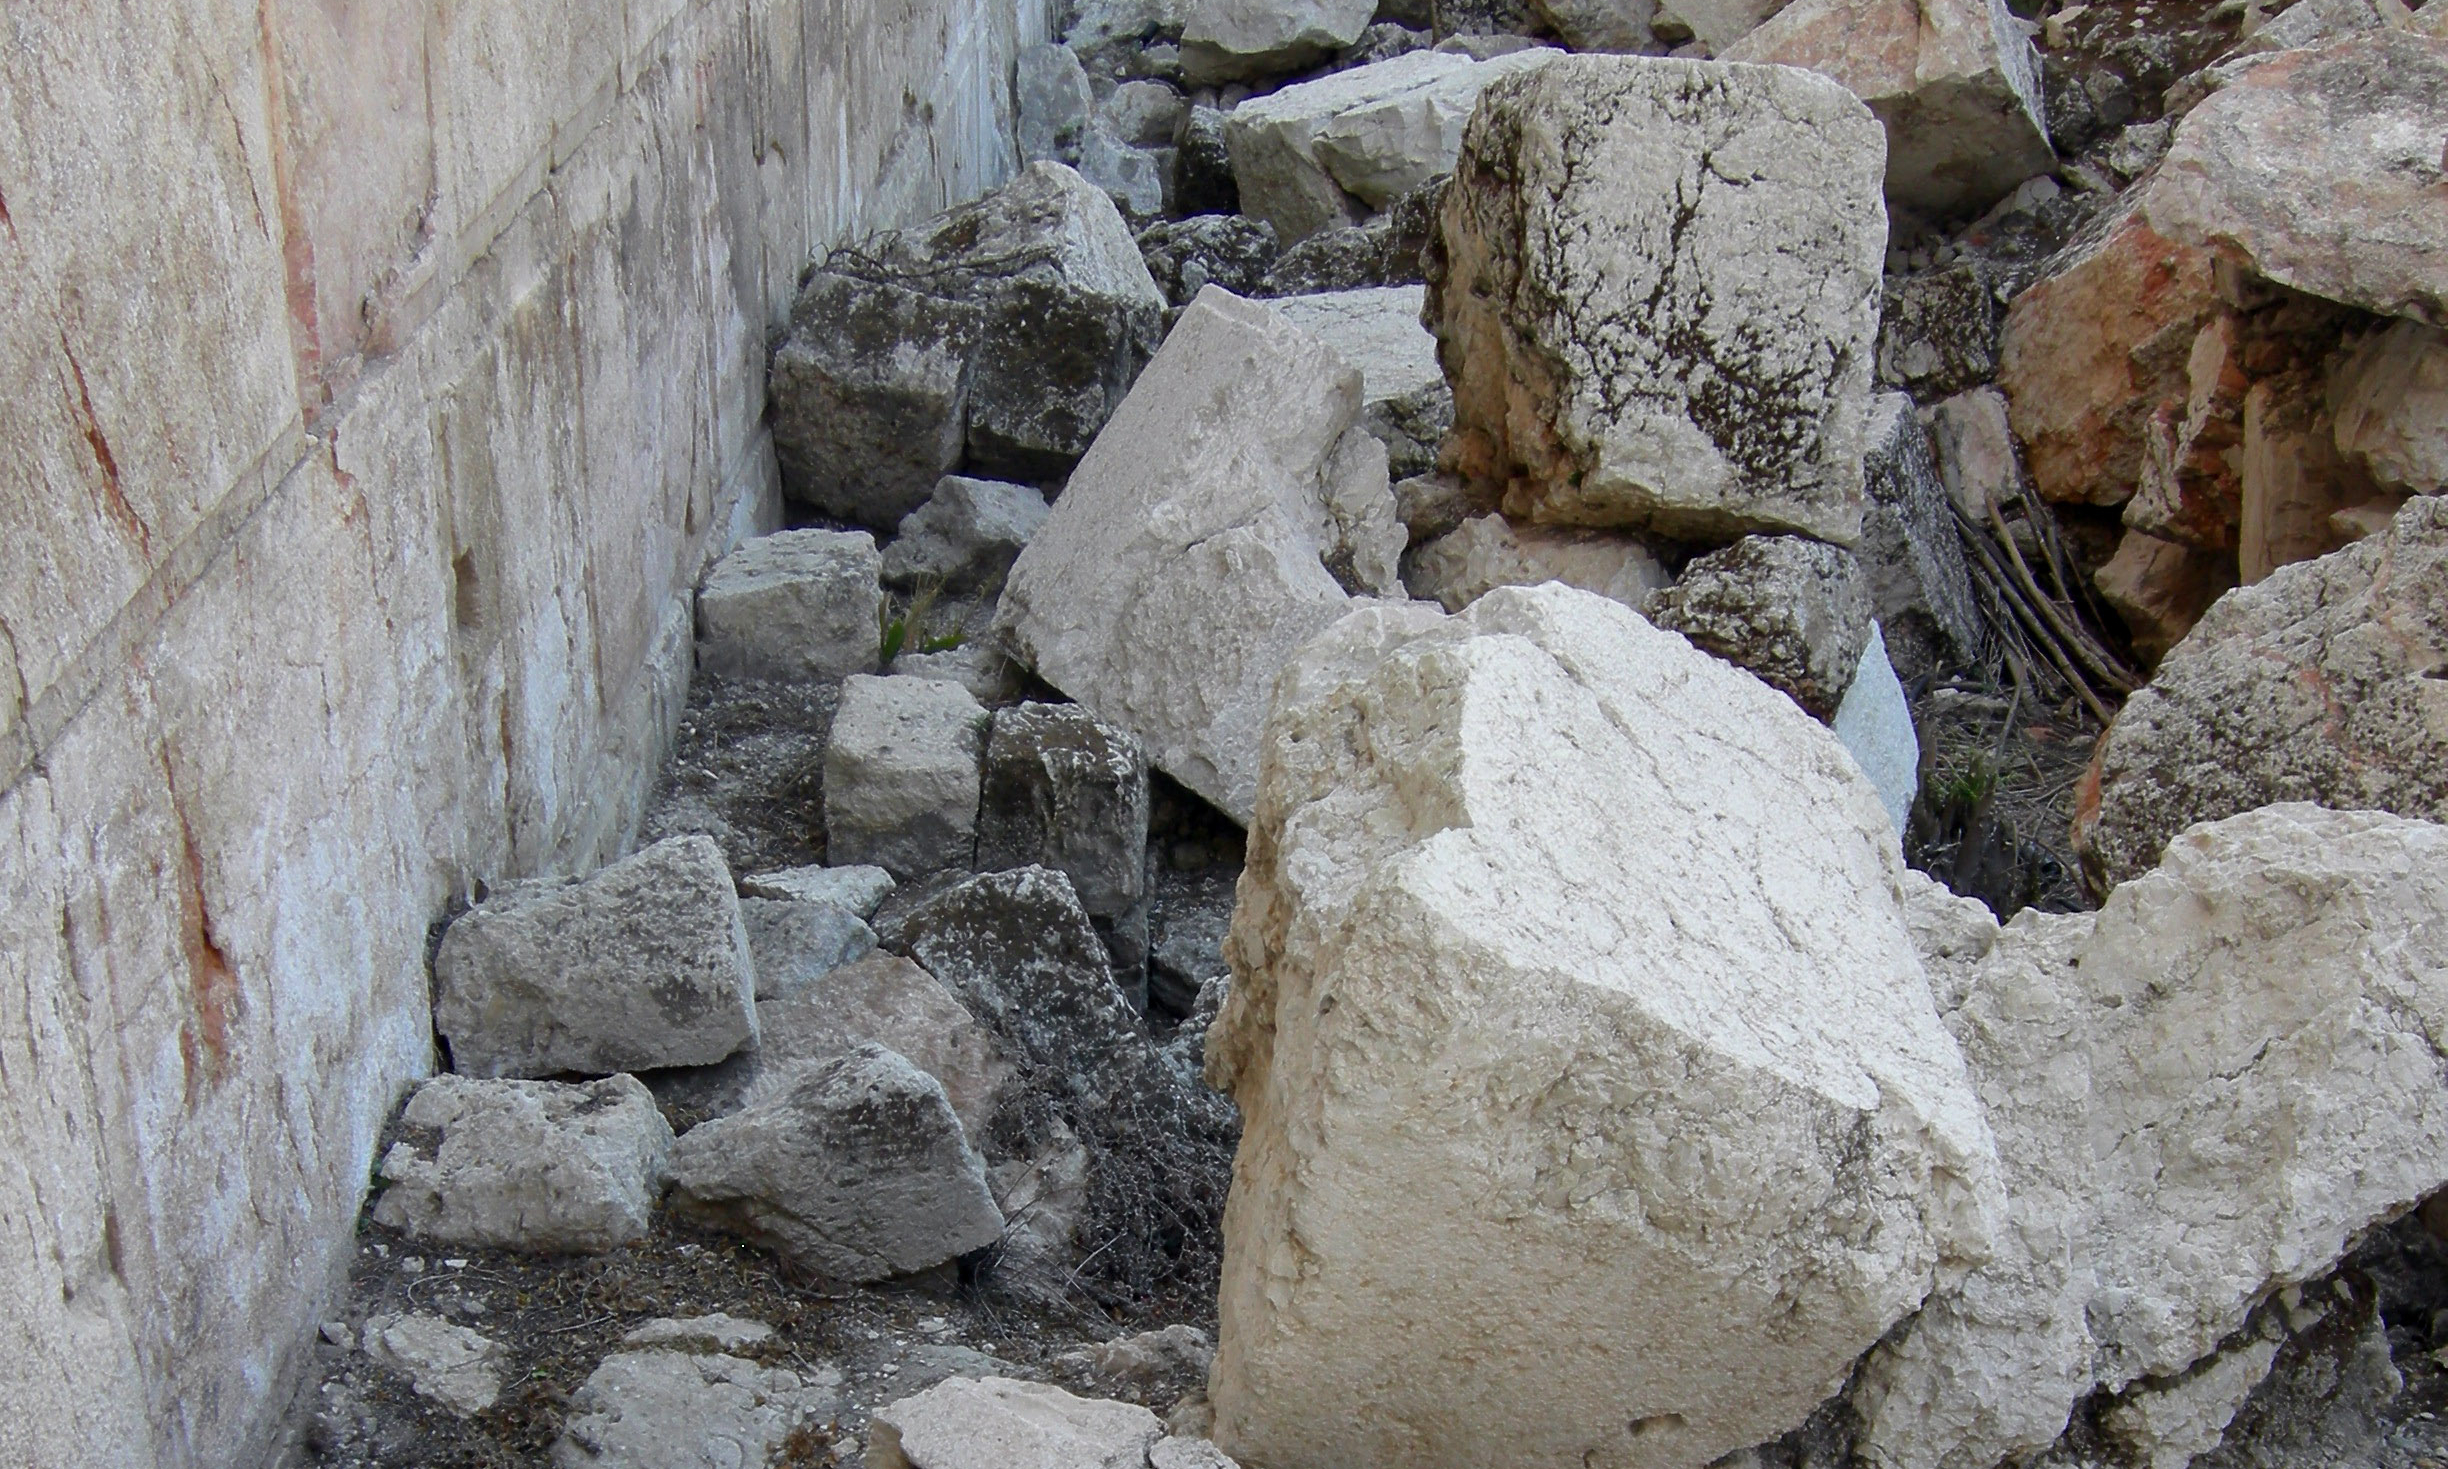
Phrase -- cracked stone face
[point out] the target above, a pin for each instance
(1655, 289)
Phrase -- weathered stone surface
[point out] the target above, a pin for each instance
(1973, 441)
(1185, 256)
(1794, 611)
(1274, 141)
(2390, 399)
(794, 941)
(1714, 24)
(871, 395)
(1431, 1002)
(963, 538)
(644, 964)
(1052, 97)
(800, 604)
(1200, 540)
(2189, 491)
(1177, 1452)
(2095, 349)
(977, 665)
(2320, 170)
(1954, 82)
(1487, 552)
(859, 889)
(1920, 588)
(1602, 25)
(1067, 791)
(901, 775)
(2161, 589)
(2279, 976)
(1133, 177)
(1247, 40)
(1146, 114)
(719, 1332)
(2290, 477)
(1202, 169)
(456, 1367)
(526, 1165)
(1407, 404)
(1000, 1423)
(1938, 331)
(1020, 953)
(1656, 294)
(678, 1410)
(883, 1000)
(856, 1167)
(1875, 725)
(2322, 683)
(1382, 149)
(1386, 251)
(1064, 315)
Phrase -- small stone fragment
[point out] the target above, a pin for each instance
(1794, 611)
(857, 888)
(720, 1332)
(1487, 552)
(1875, 725)
(964, 537)
(795, 943)
(1067, 791)
(998, 1423)
(675, 1410)
(456, 1367)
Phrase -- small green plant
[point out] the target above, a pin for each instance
(903, 628)
(1966, 787)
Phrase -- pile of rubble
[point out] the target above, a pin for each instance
(1528, 493)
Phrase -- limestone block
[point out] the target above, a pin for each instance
(1874, 723)
(800, 604)
(965, 536)
(1377, 329)
(683, 1410)
(999, 1423)
(526, 1165)
(1972, 438)
(2279, 976)
(2390, 398)
(1063, 310)
(456, 1367)
(794, 942)
(1438, 999)
(857, 888)
(883, 1000)
(1274, 140)
(1247, 40)
(1065, 790)
(1487, 552)
(1938, 331)
(2318, 169)
(1383, 149)
(870, 394)
(1020, 953)
(1054, 102)
(1795, 612)
(1229, 250)
(1133, 177)
(1602, 25)
(1191, 552)
(1656, 296)
(1920, 588)
(1954, 82)
(2161, 589)
(1715, 24)
(1146, 114)
(901, 775)
(643, 964)
(2320, 683)
(856, 1167)
(2096, 349)
(1386, 251)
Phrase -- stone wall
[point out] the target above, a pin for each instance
(380, 376)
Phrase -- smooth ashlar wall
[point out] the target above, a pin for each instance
(379, 377)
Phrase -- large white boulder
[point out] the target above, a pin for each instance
(1656, 292)
(1230, 510)
(1954, 82)
(2202, 1094)
(1569, 1140)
